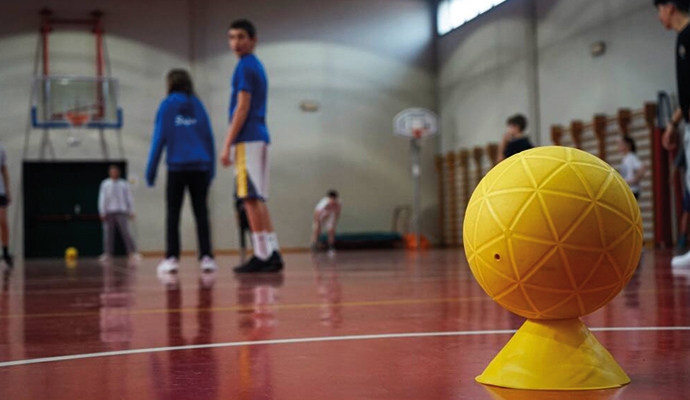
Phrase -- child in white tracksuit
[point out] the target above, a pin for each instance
(116, 207)
(631, 168)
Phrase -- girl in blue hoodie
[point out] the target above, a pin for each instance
(182, 126)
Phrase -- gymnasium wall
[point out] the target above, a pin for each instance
(639, 61)
(487, 71)
(361, 61)
(533, 56)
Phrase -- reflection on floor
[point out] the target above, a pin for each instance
(49, 310)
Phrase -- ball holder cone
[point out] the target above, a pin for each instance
(554, 355)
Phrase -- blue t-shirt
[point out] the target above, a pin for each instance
(250, 77)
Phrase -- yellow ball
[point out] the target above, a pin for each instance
(71, 253)
(553, 233)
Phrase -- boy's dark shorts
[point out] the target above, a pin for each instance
(3, 201)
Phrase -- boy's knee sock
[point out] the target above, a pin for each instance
(273, 241)
(262, 249)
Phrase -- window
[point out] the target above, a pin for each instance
(455, 13)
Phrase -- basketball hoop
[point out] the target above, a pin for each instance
(419, 133)
(77, 119)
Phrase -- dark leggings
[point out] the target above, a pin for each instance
(197, 182)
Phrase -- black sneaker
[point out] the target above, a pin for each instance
(253, 266)
(275, 263)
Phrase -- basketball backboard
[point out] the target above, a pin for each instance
(59, 101)
(415, 123)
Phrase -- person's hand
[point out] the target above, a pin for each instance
(132, 215)
(668, 140)
(225, 158)
(507, 137)
(102, 217)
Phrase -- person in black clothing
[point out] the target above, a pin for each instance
(182, 129)
(673, 15)
(5, 200)
(514, 141)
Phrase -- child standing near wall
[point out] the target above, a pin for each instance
(5, 201)
(514, 141)
(116, 207)
(631, 168)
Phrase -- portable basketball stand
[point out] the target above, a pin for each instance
(416, 124)
(90, 116)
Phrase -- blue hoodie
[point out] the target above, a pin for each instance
(182, 125)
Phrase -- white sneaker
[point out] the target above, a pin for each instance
(104, 257)
(681, 261)
(168, 266)
(136, 257)
(682, 273)
(208, 264)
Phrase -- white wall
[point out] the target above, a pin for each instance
(533, 56)
(362, 61)
(487, 73)
(141, 46)
(638, 63)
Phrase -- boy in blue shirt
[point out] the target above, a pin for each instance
(247, 142)
(182, 126)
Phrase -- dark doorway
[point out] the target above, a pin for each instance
(61, 207)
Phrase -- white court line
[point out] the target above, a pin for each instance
(312, 340)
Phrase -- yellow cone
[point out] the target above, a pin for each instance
(497, 393)
(554, 355)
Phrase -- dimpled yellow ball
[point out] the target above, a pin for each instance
(553, 233)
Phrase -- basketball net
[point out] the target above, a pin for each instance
(76, 120)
